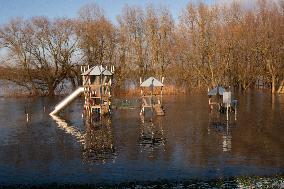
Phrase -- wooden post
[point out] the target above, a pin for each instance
(161, 96)
(152, 89)
(227, 111)
(235, 113)
(101, 90)
(162, 91)
(142, 106)
(151, 100)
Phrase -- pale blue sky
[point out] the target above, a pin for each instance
(69, 8)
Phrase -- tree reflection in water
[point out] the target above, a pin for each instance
(151, 135)
(99, 142)
(220, 125)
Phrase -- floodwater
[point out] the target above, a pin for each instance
(188, 142)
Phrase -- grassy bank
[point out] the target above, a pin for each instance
(233, 182)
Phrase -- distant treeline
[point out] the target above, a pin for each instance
(208, 45)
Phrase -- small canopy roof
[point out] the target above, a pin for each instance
(151, 81)
(216, 90)
(97, 70)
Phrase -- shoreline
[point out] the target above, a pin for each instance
(276, 181)
(167, 91)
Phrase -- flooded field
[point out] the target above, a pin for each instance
(187, 143)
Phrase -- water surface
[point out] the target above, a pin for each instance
(189, 142)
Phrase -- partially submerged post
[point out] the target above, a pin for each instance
(151, 96)
(227, 102)
(97, 83)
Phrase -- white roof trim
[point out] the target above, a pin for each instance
(97, 70)
(151, 81)
(216, 90)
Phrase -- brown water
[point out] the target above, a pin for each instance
(189, 142)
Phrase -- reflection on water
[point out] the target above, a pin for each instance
(151, 135)
(99, 142)
(71, 130)
(189, 142)
(223, 127)
(97, 139)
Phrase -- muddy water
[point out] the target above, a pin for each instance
(189, 142)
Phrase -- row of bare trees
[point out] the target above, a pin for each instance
(207, 46)
(233, 46)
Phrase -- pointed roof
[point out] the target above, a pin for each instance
(151, 81)
(97, 70)
(216, 90)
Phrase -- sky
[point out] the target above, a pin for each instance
(69, 8)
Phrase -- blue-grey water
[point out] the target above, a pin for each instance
(188, 142)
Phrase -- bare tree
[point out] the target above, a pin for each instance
(210, 45)
(42, 49)
(97, 35)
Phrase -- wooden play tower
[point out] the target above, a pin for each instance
(97, 83)
(152, 95)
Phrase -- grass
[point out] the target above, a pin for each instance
(233, 182)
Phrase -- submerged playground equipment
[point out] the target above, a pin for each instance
(222, 98)
(97, 83)
(152, 95)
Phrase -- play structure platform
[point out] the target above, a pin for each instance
(97, 83)
(152, 96)
(97, 91)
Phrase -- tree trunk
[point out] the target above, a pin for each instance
(51, 90)
(281, 87)
(272, 84)
(198, 83)
(73, 83)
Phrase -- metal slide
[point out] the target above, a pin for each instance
(67, 100)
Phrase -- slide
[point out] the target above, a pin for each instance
(67, 100)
